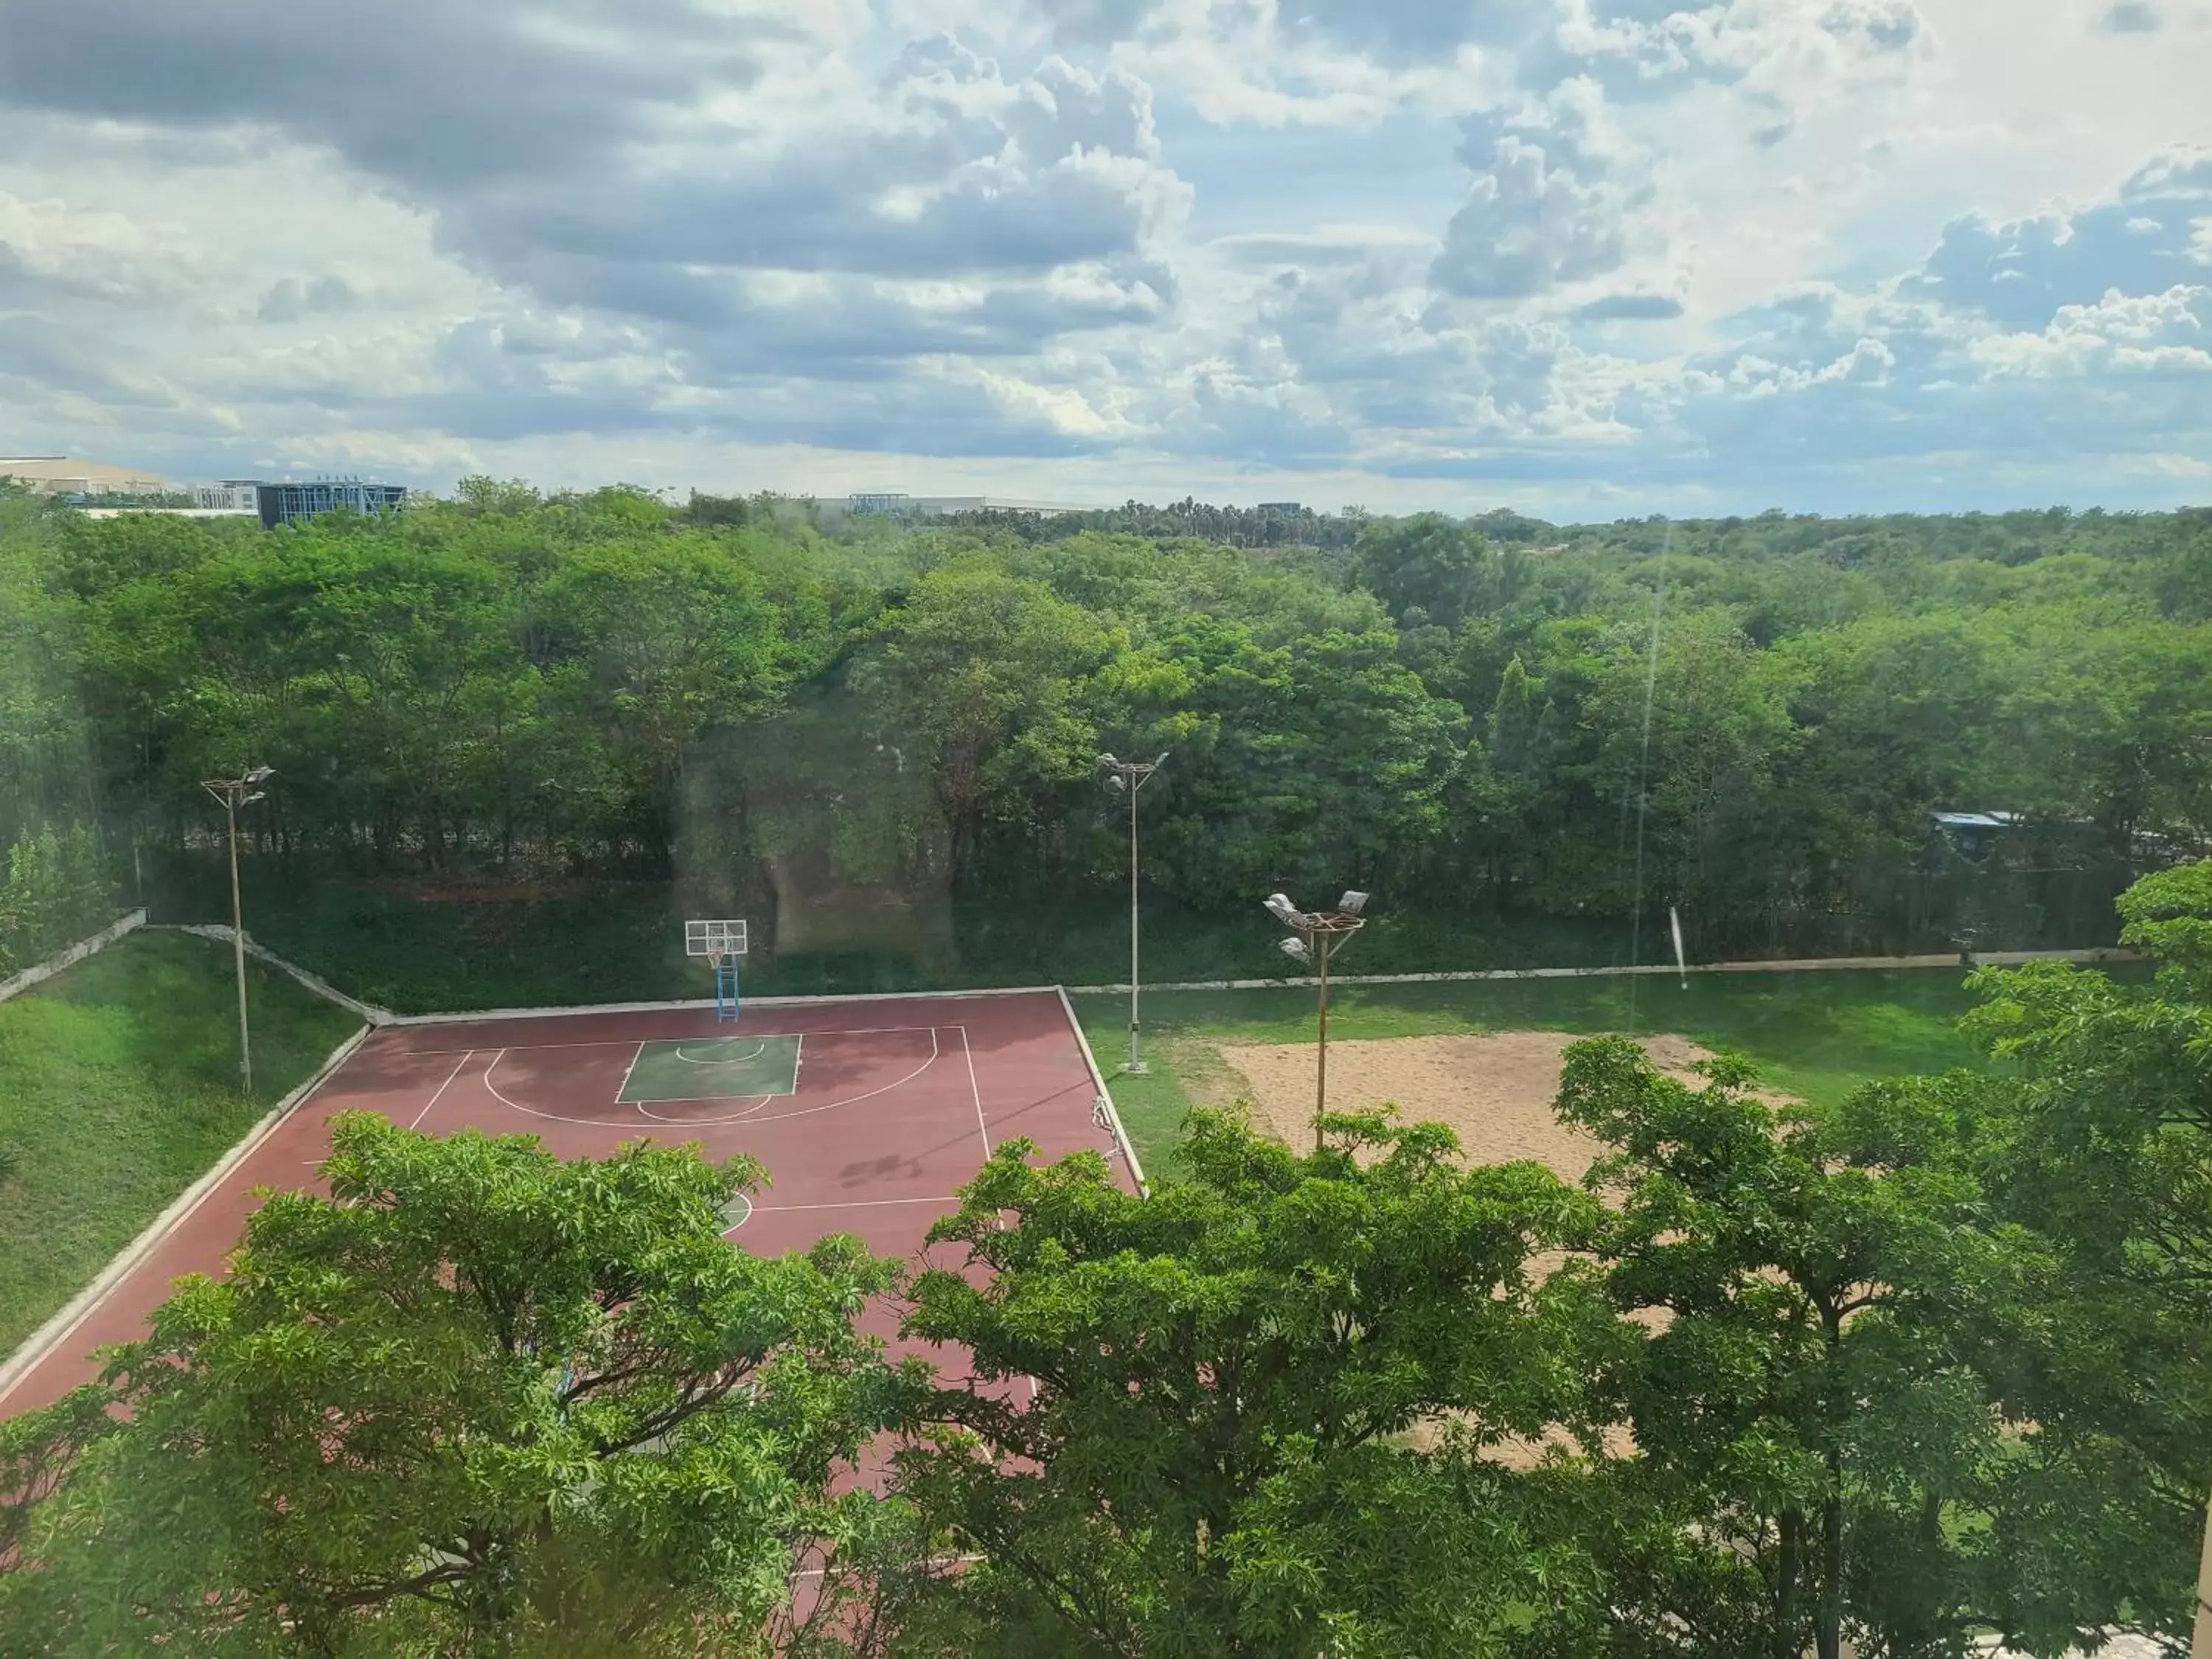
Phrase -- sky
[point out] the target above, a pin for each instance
(1584, 258)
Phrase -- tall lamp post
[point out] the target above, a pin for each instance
(234, 792)
(1316, 936)
(1126, 778)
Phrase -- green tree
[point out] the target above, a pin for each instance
(478, 1400)
(46, 742)
(2091, 1141)
(1209, 1423)
(1323, 760)
(978, 679)
(1799, 1385)
(1435, 565)
(55, 893)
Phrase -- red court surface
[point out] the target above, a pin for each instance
(898, 1102)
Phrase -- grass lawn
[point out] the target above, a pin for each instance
(118, 1088)
(1814, 1035)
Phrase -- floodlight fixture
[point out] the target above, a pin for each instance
(1114, 782)
(1314, 939)
(260, 774)
(1108, 760)
(1159, 760)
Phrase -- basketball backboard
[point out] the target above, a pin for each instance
(714, 938)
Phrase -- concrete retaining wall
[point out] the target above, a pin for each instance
(41, 971)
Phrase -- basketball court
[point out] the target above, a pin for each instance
(869, 1113)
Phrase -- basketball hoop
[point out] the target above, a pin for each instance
(719, 944)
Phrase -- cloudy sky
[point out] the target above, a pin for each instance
(1585, 257)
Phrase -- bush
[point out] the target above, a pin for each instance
(55, 893)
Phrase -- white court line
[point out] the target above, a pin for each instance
(750, 1104)
(712, 1122)
(798, 1059)
(976, 1089)
(627, 1070)
(726, 1060)
(619, 1043)
(442, 1087)
(851, 1203)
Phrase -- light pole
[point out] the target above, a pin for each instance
(1126, 778)
(234, 792)
(1316, 936)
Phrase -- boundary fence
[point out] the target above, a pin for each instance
(1105, 1106)
(1795, 965)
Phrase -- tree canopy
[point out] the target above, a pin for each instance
(1449, 713)
(476, 1396)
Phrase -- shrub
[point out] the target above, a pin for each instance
(55, 893)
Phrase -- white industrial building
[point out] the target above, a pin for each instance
(60, 474)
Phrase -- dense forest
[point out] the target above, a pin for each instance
(849, 728)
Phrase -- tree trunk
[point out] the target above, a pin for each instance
(1787, 1572)
(1829, 1633)
(1829, 1627)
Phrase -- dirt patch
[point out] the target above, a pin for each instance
(1494, 1091)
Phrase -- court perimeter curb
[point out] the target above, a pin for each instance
(1793, 965)
(41, 1343)
(1105, 1096)
(39, 972)
(465, 1014)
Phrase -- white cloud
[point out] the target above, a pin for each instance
(1836, 252)
(2123, 333)
(1553, 191)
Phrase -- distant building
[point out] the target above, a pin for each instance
(879, 502)
(1288, 509)
(170, 512)
(59, 475)
(85, 483)
(930, 507)
(295, 504)
(1973, 834)
(231, 496)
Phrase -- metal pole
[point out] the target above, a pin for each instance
(1136, 1048)
(238, 943)
(1321, 1071)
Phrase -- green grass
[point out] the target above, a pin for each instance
(1817, 1035)
(118, 1088)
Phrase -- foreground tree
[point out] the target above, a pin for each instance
(2093, 1142)
(1802, 1392)
(478, 1400)
(1246, 1417)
